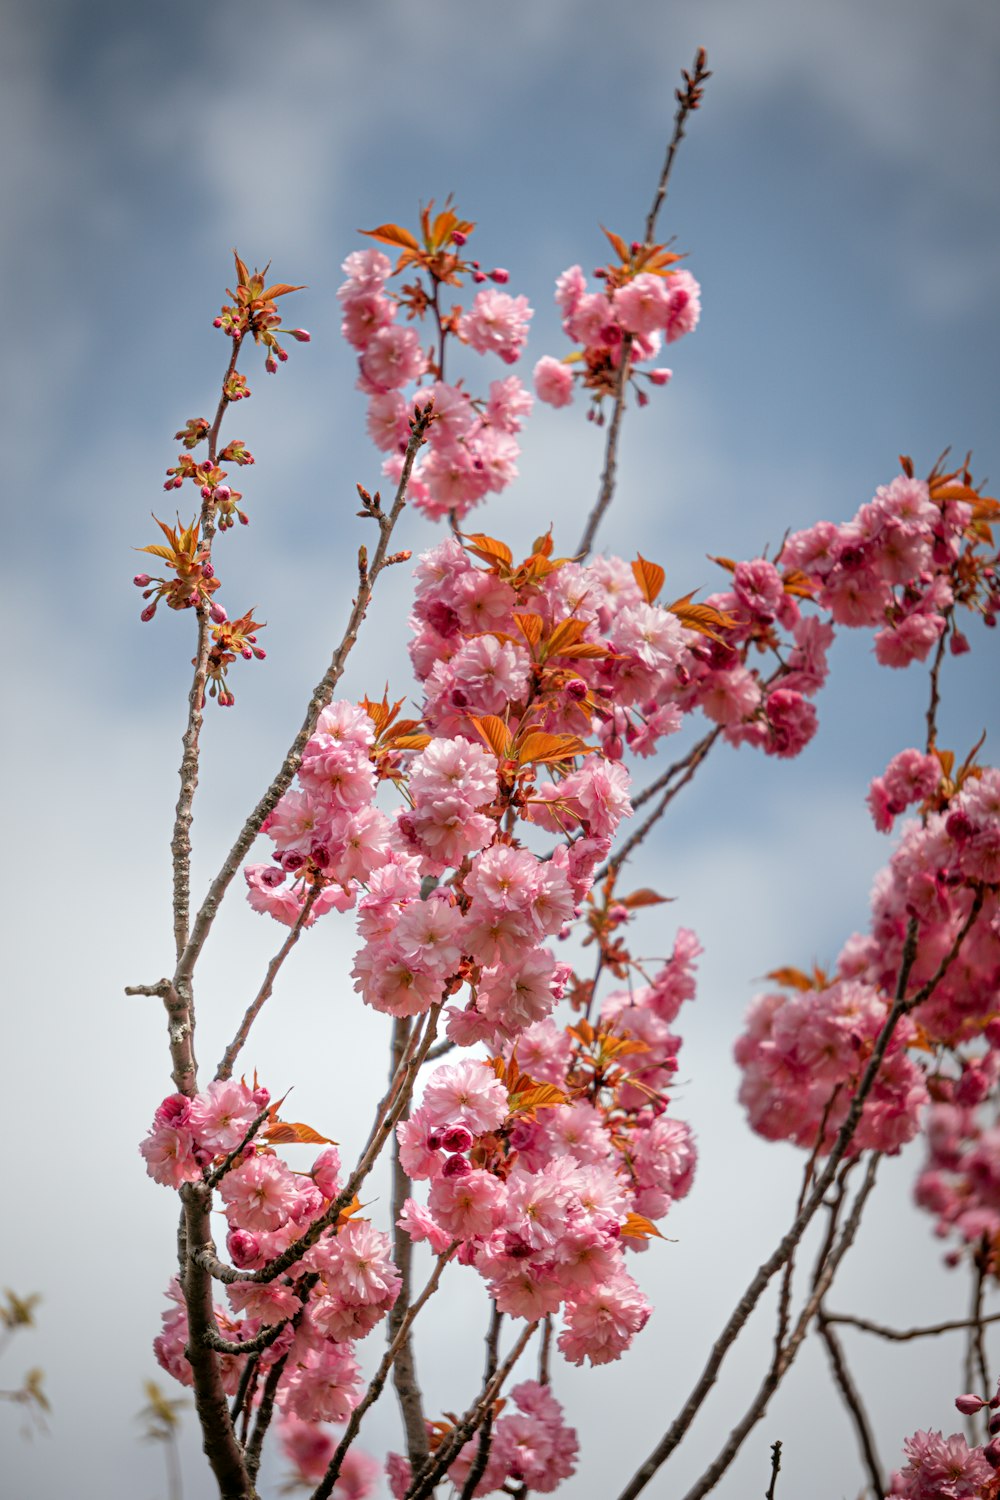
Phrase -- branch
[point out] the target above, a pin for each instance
(225, 1068)
(423, 1483)
(688, 99)
(322, 695)
(689, 764)
(180, 843)
(774, 1377)
(786, 1246)
(325, 1486)
(482, 1457)
(853, 1402)
(775, 1468)
(204, 1255)
(404, 1373)
(903, 1335)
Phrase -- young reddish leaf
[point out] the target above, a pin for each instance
(283, 1132)
(644, 897)
(495, 734)
(791, 979)
(524, 1101)
(242, 274)
(279, 289)
(549, 749)
(410, 741)
(703, 618)
(565, 634)
(638, 1227)
(649, 576)
(393, 234)
(617, 244)
(798, 583)
(588, 651)
(543, 544)
(488, 548)
(530, 627)
(724, 562)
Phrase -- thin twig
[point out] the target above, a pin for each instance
(774, 1377)
(691, 764)
(204, 1254)
(375, 1388)
(903, 1335)
(853, 1402)
(424, 1482)
(901, 1006)
(775, 1468)
(688, 99)
(321, 696)
(404, 1370)
(232, 1052)
(482, 1458)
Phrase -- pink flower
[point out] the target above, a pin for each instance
(222, 1115)
(169, 1156)
(260, 1194)
(392, 358)
(553, 381)
(469, 1206)
(685, 305)
(644, 305)
(602, 1323)
(496, 323)
(465, 1092)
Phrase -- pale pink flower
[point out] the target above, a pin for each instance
(466, 1092)
(260, 1194)
(169, 1156)
(509, 404)
(553, 381)
(685, 305)
(324, 1385)
(392, 358)
(469, 1206)
(602, 1323)
(222, 1115)
(496, 323)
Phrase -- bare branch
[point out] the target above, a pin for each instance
(232, 1052)
(404, 1370)
(853, 1402)
(775, 1468)
(903, 1335)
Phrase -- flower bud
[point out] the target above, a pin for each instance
(969, 1405)
(300, 334)
(991, 1453)
(456, 1138)
(456, 1166)
(218, 614)
(458, 238)
(141, 580)
(148, 613)
(243, 1247)
(499, 275)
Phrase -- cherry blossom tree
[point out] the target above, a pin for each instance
(479, 842)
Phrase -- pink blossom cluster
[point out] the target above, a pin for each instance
(472, 446)
(352, 1280)
(802, 1056)
(648, 309)
(530, 1446)
(947, 1468)
(889, 567)
(326, 831)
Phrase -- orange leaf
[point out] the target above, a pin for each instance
(617, 244)
(393, 234)
(410, 741)
(488, 548)
(645, 897)
(638, 1227)
(243, 275)
(530, 627)
(702, 618)
(566, 633)
(279, 289)
(724, 562)
(495, 734)
(282, 1132)
(549, 749)
(537, 1096)
(649, 576)
(791, 978)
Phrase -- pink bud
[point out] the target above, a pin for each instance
(300, 334)
(969, 1405)
(458, 238)
(216, 322)
(660, 377)
(207, 570)
(244, 519)
(243, 1247)
(991, 1453)
(456, 1138)
(259, 652)
(218, 614)
(206, 492)
(499, 275)
(223, 492)
(478, 276)
(271, 365)
(148, 612)
(141, 580)
(456, 1166)
(958, 644)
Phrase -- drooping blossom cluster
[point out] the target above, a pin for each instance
(643, 301)
(472, 447)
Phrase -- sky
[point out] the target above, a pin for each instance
(838, 199)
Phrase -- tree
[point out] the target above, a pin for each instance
(551, 1160)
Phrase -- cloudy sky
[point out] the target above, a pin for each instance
(839, 201)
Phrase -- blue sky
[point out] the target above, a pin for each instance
(839, 201)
